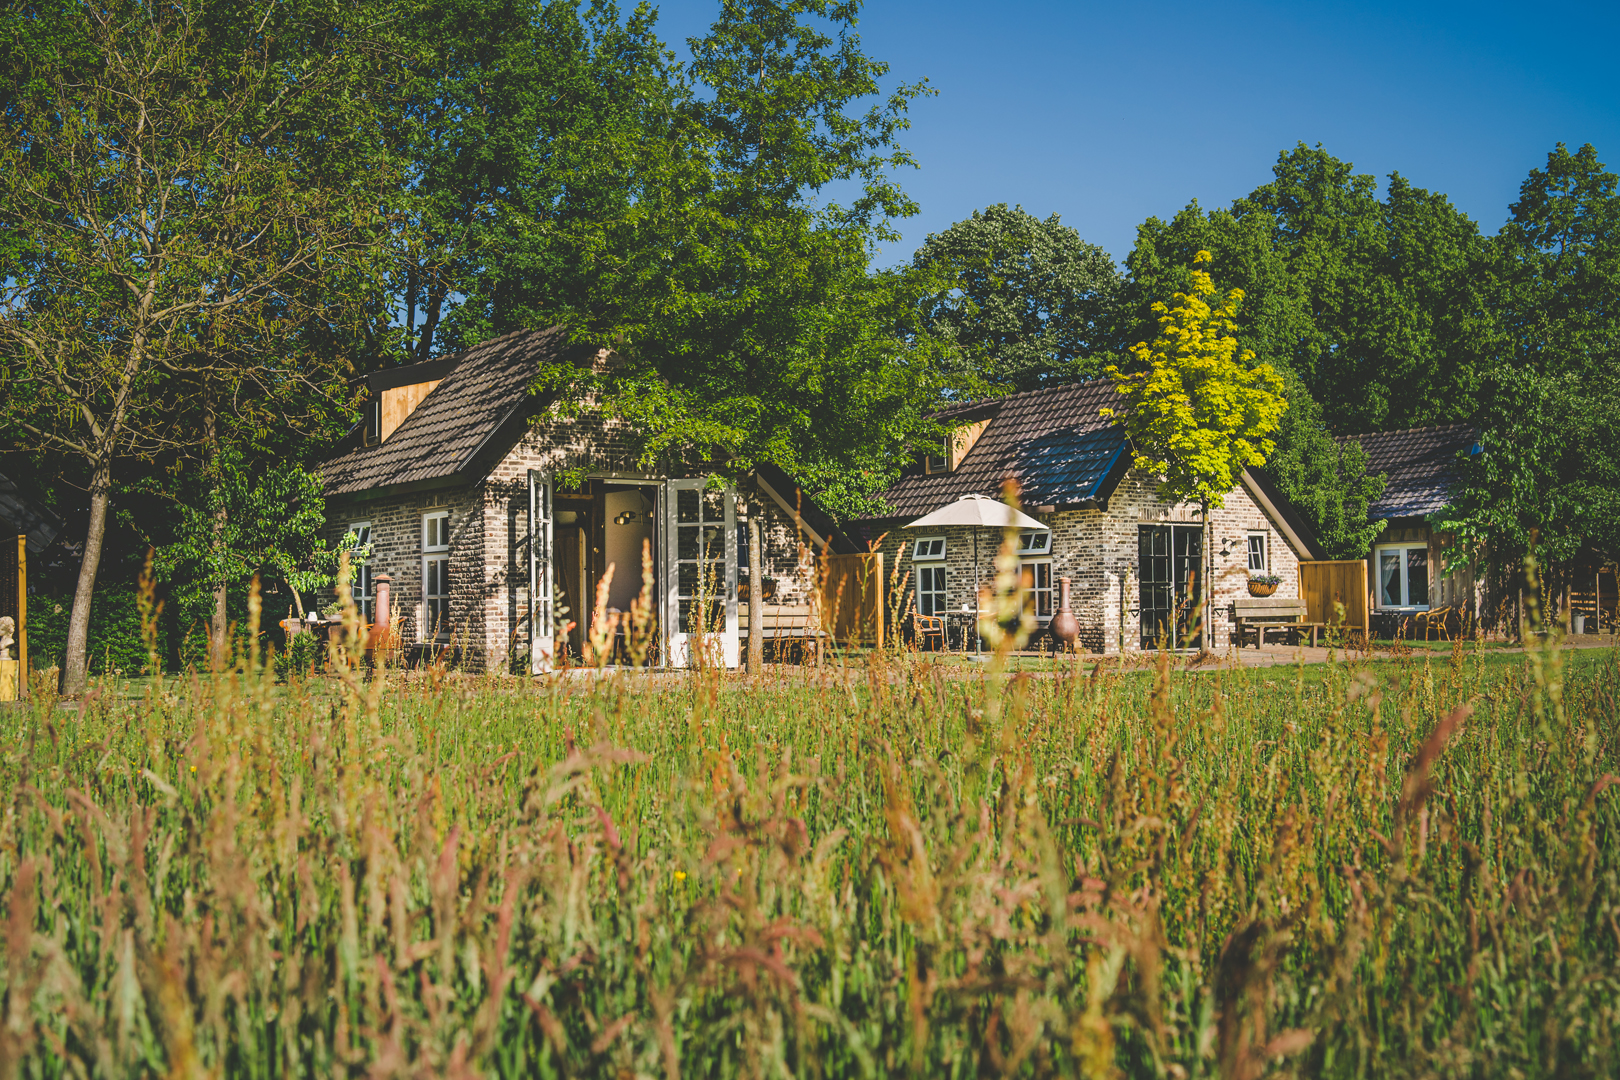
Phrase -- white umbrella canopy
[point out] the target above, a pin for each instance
(980, 510)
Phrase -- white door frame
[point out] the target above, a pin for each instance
(723, 646)
(542, 640)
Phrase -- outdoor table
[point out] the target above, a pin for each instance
(968, 621)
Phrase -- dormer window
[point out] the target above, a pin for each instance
(373, 434)
(938, 464)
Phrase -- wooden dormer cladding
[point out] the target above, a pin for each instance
(957, 444)
(395, 394)
(963, 439)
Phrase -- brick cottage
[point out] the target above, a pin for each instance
(1137, 563)
(456, 467)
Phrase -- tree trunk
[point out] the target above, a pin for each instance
(756, 594)
(76, 657)
(216, 629)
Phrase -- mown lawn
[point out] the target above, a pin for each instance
(892, 866)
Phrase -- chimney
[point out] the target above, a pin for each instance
(379, 626)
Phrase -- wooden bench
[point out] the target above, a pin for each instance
(1258, 614)
(784, 623)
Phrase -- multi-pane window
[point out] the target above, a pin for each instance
(1037, 580)
(931, 589)
(929, 552)
(360, 589)
(1035, 570)
(1257, 553)
(436, 575)
(373, 432)
(1403, 576)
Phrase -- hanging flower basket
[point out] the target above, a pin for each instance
(1263, 585)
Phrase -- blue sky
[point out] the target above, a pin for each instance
(1110, 113)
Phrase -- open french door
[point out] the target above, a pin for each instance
(542, 629)
(700, 587)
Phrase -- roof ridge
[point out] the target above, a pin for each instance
(1409, 430)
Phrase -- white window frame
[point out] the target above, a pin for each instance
(1265, 552)
(360, 587)
(435, 623)
(1033, 542)
(928, 549)
(932, 589)
(1406, 603)
(1041, 586)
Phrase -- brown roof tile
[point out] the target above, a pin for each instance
(442, 437)
(1053, 441)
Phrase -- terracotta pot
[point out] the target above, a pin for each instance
(1064, 626)
(1257, 589)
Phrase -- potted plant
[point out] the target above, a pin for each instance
(1263, 584)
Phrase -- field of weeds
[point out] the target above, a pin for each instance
(1360, 869)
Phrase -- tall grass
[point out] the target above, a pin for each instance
(880, 869)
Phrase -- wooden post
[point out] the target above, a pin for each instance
(22, 615)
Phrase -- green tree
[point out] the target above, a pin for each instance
(543, 167)
(180, 180)
(1557, 296)
(1548, 481)
(762, 336)
(1024, 302)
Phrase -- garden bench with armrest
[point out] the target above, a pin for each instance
(1256, 615)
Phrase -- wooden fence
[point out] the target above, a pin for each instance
(852, 592)
(1324, 584)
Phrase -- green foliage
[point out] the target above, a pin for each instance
(1325, 479)
(255, 517)
(1024, 302)
(763, 337)
(1198, 413)
(1138, 874)
(1558, 268)
(115, 642)
(1549, 478)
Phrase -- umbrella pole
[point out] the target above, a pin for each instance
(975, 595)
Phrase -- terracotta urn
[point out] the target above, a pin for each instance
(1064, 627)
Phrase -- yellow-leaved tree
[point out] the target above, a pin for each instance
(1198, 412)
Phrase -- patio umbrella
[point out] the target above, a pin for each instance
(980, 512)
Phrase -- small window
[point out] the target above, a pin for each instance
(931, 590)
(1035, 542)
(1257, 553)
(929, 547)
(936, 464)
(373, 422)
(360, 589)
(436, 531)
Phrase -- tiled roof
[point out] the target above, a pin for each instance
(18, 512)
(1053, 441)
(1420, 465)
(488, 385)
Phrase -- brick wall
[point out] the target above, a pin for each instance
(1097, 550)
